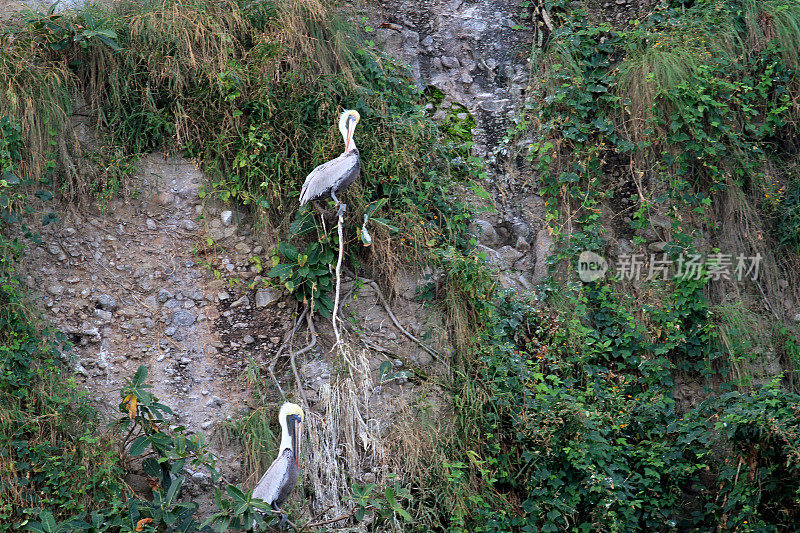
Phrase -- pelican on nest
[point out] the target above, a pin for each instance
(337, 174)
(281, 477)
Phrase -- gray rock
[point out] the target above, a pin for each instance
(185, 361)
(248, 339)
(542, 249)
(151, 224)
(105, 316)
(195, 294)
(190, 225)
(207, 424)
(170, 331)
(449, 62)
(226, 217)
(242, 248)
(267, 296)
(223, 295)
(182, 318)
(201, 479)
(657, 246)
(243, 301)
(54, 249)
(55, 289)
(485, 232)
(107, 302)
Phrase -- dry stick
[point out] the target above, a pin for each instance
(763, 294)
(330, 521)
(396, 322)
(289, 336)
(293, 354)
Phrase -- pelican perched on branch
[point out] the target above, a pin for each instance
(280, 478)
(337, 174)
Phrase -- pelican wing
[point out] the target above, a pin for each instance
(279, 479)
(329, 176)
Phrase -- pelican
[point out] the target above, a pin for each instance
(337, 174)
(280, 478)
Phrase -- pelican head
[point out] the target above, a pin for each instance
(291, 419)
(347, 125)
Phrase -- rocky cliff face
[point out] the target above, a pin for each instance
(478, 55)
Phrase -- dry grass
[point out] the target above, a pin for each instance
(342, 440)
(37, 89)
(310, 34)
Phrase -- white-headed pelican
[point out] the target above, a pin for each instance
(337, 174)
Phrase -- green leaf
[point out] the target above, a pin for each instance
(174, 488)
(282, 272)
(288, 251)
(139, 445)
(236, 493)
(140, 376)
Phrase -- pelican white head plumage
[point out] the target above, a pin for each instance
(281, 477)
(337, 174)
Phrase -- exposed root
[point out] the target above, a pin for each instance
(396, 322)
(341, 443)
(334, 315)
(286, 340)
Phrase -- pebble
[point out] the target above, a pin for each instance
(222, 296)
(151, 224)
(243, 301)
(267, 296)
(226, 217)
(105, 316)
(182, 317)
(207, 424)
(248, 339)
(190, 225)
(107, 302)
(164, 295)
(55, 289)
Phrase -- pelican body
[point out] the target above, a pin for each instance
(337, 174)
(281, 477)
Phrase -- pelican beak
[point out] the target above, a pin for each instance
(349, 135)
(295, 427)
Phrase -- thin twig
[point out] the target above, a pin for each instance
(292, 356)
(330, 521)
(766, 299)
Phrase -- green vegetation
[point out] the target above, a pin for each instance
(565, 413)
(568, 415)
